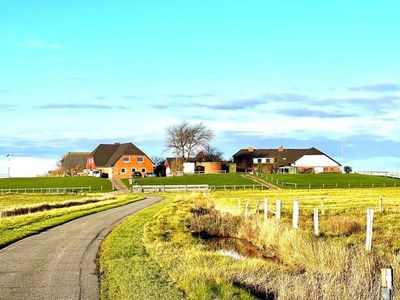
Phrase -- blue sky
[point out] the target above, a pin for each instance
(259, 73)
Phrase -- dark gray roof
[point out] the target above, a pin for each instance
(291, 155)
(106, 155)
(74, 159)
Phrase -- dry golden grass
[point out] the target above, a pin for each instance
(300, 265)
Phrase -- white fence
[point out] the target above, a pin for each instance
(58, 190)
(380, 173)
(191, 188)
(170, 188)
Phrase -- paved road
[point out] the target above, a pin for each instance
(61, 263)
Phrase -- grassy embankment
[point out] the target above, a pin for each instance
(317, 181)
(127, 271)
(96, 184)
(298, 265)
(18, 227)
(210, 179)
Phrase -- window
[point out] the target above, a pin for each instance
(140, 159)
(267, 160)
(133, 170)
(143, 170)
(127, 159)
(259, 160)
(123, 170)
(284, 159)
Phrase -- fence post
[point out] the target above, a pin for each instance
(246, 209)
(309, 186)
(265, 210)
(387, 283)
(296, 214)
(370, 220)
(380, 204)
(278, 209)
(316, 225)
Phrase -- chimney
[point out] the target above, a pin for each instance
(280, 149)
(250, 149)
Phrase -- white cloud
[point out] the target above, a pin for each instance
(35, 43)
(26, 166)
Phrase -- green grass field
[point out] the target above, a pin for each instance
(210, 179)
(296, 265)
(127, 271)
(19, 200)
(15, 228)
(97, 184)
(329, 181)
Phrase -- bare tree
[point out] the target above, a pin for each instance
(185, 138)
(212, 153)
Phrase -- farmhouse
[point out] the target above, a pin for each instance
(73, 162)
(119, 160)
(283, 160)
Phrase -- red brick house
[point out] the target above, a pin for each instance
(119, 160)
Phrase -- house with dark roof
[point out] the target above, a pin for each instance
(73, 162)
(119, 160)
(282, 160)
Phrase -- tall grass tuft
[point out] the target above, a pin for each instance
(312, 268)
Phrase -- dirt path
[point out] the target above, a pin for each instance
(264, 183)
(61, 263)
(119, 186)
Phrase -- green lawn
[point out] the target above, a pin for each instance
(210, 179)
(127, 271)
(329, 180)
(97, 184)
(13, 229)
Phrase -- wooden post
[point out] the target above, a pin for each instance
(278, 209)
(316, 225)
(246, 210)
(265, 210)
(296, 214)
(370, 220)
(387, 283)
(380, 204)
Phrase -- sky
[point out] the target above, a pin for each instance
(299, 74)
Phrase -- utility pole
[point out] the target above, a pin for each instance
(342, 155)
(9, 165)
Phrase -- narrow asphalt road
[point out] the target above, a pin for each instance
(61, 263)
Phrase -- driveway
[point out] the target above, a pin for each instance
(61, 263)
